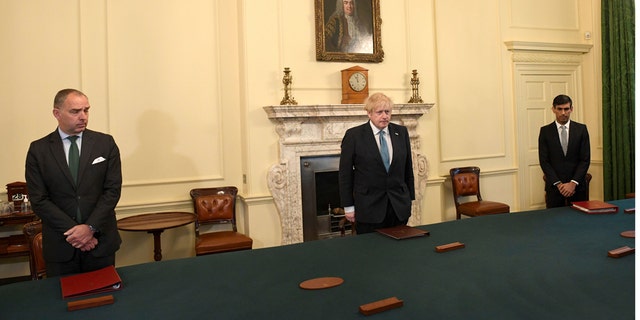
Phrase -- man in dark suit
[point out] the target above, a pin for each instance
(565, 154)
(372, 194)
(77, 208)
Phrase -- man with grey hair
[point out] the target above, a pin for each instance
(376, 170)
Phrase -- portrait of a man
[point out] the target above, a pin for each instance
(348, 30)
(348, 27)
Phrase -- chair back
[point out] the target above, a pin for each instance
(215, 206)
(33, 232)
(214, 190)
(465, 182)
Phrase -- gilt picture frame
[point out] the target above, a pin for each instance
(348, 30)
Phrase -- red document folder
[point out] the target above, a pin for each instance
(594, 206)
(99, 281)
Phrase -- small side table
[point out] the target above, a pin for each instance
(156, 223)
(15, 245)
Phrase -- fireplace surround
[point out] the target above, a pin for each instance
(316, 131)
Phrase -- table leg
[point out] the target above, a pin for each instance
(157, 246)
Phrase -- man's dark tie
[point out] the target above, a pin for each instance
(384, 151)
(74, 158)
(74, 163)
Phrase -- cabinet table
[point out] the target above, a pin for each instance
(544, 264)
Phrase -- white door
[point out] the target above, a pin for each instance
(536, 86)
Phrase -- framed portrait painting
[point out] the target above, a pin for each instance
(348, 30)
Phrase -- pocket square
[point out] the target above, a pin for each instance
(98, 160)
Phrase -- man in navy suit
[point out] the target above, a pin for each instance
(565, 154)
(77, 210)
(376, 177)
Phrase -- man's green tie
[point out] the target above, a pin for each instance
(74, 158)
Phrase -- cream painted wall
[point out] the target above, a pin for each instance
(181, 86)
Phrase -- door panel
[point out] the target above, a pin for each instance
(535, 90)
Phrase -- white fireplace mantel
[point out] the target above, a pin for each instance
(317, 130)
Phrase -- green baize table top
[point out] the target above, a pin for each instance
(546, 264)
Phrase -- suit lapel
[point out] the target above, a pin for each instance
(396, 140)
(555, 133)
(370, 139)
(85, 153)
(57, 151)
(573, 134)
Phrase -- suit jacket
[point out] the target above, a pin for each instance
(364, 181)
(55, 198)
(558, 167)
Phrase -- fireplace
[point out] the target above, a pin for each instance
(321, 215)
(314, 132)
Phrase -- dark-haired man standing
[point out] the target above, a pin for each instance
(565, 154)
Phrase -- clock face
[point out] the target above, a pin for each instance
(357, 81)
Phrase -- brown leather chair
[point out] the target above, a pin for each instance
(587, 177)
(217, 206)
(33, 232)
(466, 183)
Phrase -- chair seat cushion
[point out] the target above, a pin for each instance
(481, 208)
(222, 241)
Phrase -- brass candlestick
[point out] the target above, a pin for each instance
(287, 80)
(415, 81)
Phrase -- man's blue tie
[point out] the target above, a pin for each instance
(384, 151)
